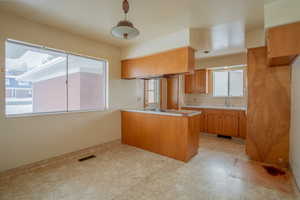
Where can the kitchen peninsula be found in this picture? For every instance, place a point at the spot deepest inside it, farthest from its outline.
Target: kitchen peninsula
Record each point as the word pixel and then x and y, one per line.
pixel 172 133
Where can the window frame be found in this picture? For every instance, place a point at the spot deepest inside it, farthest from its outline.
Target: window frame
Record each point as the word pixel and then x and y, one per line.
pixel 155 91
pixel 228 81
pixel 67 111
pixel 7 82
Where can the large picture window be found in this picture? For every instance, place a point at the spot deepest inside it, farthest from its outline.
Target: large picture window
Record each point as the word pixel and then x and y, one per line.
pixel 40 80
pixel 228 83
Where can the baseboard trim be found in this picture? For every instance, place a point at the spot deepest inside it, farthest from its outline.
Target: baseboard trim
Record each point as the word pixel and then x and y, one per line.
pixel 7 174
pixel 296 179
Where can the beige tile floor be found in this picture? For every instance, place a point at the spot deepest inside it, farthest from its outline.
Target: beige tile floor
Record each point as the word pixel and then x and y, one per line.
pixel 220 171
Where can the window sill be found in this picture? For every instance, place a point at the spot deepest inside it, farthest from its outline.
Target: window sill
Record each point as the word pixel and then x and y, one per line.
pixel 53 113
pixel 229 97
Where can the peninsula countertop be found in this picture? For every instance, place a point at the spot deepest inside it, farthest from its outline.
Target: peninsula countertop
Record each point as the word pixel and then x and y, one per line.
pixel 186 113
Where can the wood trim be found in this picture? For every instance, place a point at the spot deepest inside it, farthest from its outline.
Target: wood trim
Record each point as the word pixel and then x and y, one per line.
pixel 210 83
pixel 161 92
pixel 145 93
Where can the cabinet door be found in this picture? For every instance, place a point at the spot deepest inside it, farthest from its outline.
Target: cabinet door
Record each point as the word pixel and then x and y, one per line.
pixel 230 123
pixel 175 61
pixel 189 83
pixel 283 44
pixel 202 118
pixel 214 121
pixel 242 124
pixel 200 81
pixel 203 122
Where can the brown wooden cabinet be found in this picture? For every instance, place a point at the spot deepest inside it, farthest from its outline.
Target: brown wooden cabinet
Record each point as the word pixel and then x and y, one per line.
pixel 230 123
pixel 242 125
pixel 283 44
pixel 174 61
pixel 173 136
pixel 214 121
pixel 189 83
pixel 202 122
pixel 196 82
pixel 223 122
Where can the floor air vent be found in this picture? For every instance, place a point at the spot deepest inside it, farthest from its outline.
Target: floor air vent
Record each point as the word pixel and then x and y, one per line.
pixel 274 171
pixel 86 158
pixel 225 136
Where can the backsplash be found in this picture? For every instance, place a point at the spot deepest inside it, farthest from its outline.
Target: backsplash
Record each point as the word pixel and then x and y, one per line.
pixel 198 99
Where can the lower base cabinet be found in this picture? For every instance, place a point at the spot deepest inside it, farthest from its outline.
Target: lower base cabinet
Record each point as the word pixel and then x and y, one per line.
pixel 230 125
pixel 213 121
pixel 224 122
pixel 242 125
pixel 173 136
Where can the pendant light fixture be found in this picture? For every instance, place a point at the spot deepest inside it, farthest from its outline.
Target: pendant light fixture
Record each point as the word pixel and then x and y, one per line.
pixel 125 29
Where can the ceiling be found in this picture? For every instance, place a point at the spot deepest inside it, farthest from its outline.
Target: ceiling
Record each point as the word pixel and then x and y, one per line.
pixel 155 18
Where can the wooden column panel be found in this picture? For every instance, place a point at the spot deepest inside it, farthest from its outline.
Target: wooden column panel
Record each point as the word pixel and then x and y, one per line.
pixel 268 116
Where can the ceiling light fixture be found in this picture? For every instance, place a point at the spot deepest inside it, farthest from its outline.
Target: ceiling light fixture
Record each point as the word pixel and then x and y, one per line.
pixel 125 29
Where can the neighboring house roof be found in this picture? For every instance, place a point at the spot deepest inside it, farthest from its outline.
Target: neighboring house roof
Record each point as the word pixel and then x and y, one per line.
pixel 28 60
pixel 58 67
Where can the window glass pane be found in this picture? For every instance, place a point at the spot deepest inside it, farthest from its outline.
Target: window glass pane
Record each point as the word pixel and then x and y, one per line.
pixel 35 80
pixel 236 83
pixel 86 83
pixel 151 84
pixel 152 91
pixel 151 97
pixel 220 83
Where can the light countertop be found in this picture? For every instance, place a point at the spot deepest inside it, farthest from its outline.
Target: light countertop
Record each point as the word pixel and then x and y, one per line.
pixel 187 113
pixel 216 107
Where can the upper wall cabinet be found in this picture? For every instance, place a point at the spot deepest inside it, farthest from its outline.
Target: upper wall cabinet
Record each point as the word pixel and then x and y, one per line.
pixel 197 82
pixel 283 44
pixel 176 61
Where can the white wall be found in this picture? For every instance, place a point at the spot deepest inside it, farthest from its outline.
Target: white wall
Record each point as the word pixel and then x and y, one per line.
pixel 255 38
pixel 281 12
pixel 221 61
pixel 295 122
pixel 28 139
pixel 164 43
